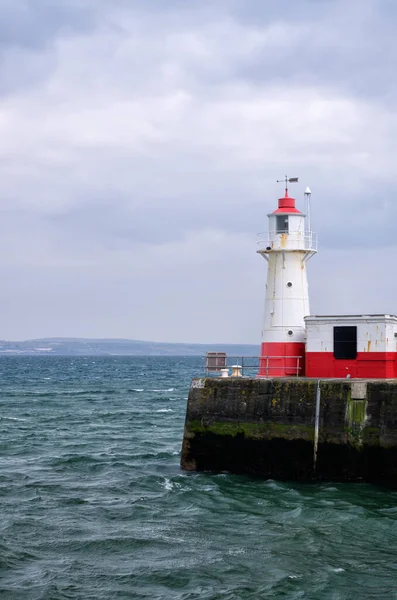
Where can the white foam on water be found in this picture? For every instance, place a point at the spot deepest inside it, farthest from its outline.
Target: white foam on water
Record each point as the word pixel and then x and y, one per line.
pixel 164 410
pixel 138 390
pixel 169 390
pixel 338 570
pixel 237 551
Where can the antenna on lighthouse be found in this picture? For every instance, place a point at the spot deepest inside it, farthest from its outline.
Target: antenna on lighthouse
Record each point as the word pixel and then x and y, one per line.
pixel 287 181
pixel 308 195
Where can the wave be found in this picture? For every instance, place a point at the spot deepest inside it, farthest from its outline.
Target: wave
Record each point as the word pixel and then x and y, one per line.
pixel 77 460
pixel 56 393
pixel 168 484
pixel 12 558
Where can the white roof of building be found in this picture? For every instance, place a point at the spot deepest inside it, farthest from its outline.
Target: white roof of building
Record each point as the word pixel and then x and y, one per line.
pixel 338 318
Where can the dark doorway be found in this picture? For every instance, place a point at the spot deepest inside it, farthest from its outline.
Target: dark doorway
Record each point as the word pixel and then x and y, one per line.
pixel 345 342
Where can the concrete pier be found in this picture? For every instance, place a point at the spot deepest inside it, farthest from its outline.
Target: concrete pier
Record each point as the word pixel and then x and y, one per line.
pixel 293 429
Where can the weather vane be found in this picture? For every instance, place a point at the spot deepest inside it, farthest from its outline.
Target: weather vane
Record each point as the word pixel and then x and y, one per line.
pixel 287 181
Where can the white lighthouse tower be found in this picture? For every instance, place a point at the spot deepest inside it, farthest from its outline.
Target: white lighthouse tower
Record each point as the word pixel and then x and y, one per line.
pixel 289 245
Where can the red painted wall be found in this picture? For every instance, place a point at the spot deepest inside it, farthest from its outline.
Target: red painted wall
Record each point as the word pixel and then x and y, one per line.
pixel 286 364
pixel 372 365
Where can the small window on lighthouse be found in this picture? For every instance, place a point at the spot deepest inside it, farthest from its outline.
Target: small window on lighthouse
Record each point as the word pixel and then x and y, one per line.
pixel 282 224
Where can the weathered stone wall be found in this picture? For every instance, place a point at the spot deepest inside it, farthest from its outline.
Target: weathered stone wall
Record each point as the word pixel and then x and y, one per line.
pixel 267 428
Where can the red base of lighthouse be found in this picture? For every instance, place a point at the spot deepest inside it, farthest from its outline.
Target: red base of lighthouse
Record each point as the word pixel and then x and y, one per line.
pixel 282 359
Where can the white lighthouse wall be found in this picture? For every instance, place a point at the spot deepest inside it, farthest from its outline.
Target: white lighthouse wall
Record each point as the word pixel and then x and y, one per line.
pixel 296 237
pixel 296 223
pixel 286 305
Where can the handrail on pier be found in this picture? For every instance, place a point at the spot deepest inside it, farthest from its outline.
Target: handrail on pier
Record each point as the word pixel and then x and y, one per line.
pixel 249 366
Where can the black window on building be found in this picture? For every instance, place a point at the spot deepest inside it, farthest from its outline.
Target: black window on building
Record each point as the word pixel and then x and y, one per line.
pixel 282 224
pixel 345 342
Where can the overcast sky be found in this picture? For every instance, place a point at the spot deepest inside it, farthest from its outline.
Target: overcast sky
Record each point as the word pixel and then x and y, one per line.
pixel 140 144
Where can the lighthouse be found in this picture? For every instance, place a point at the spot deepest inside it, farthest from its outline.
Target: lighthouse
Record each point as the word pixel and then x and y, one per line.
pixel 333 415
pixel 288 246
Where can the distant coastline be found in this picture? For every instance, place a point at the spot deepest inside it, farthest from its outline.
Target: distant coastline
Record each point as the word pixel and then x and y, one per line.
pixel 117 347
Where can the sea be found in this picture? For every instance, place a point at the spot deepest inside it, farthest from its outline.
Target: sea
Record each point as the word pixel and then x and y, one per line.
pixel 94 505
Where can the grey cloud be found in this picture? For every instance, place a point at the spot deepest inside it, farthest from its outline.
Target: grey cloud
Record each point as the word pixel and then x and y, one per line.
pixel 350 44
pixel 32 24
pixel 140 143
pixel 335 43
pixel 28 28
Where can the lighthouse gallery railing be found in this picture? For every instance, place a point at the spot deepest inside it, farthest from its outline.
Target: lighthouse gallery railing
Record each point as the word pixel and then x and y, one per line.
pixel 303 241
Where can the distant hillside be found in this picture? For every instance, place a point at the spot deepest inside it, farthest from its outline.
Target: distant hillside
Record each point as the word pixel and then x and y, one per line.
pixel 117 347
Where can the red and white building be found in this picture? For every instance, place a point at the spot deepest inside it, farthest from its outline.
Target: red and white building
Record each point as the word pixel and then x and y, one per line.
pixel 297 344
pixel 351 346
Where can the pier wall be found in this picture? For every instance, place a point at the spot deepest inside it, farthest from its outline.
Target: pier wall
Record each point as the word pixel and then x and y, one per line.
pixel 293 429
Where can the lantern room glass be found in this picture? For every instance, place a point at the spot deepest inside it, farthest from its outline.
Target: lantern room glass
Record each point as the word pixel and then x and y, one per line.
pixel 282 224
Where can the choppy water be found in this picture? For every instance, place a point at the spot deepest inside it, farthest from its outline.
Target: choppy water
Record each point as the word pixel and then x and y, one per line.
pixel 93 503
